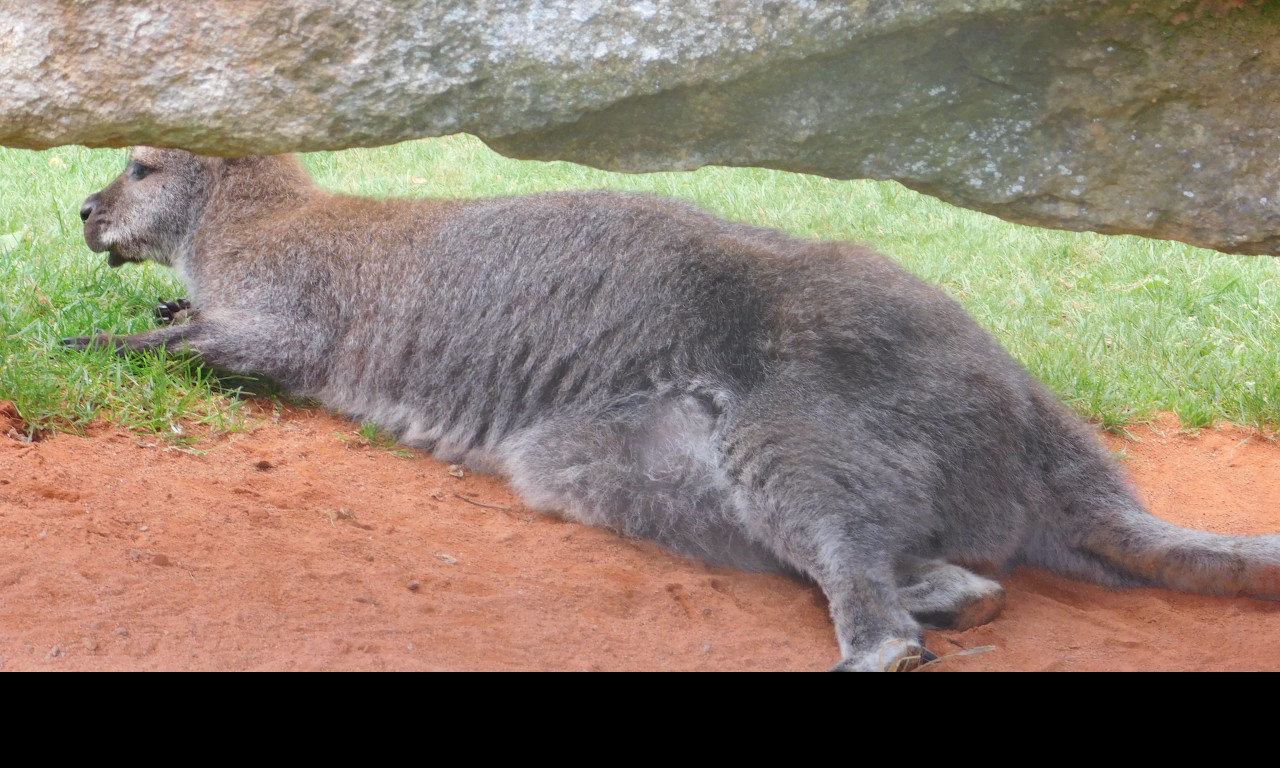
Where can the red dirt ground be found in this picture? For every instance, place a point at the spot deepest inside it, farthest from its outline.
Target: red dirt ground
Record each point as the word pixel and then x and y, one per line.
pixel 293 545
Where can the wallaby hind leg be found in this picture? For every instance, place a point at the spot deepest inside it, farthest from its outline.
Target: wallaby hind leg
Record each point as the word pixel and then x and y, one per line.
pixel 818 527
pixel 875 632
pixel 841 517
pixel 940 595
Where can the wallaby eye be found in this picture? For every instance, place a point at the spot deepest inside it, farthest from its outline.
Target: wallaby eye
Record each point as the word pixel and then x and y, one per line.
pixel 138 171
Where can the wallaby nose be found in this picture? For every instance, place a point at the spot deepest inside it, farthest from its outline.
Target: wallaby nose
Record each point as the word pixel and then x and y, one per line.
pixel 86 210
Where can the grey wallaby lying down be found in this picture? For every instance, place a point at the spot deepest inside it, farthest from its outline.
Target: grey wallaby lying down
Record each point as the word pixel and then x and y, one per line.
pixel 736 394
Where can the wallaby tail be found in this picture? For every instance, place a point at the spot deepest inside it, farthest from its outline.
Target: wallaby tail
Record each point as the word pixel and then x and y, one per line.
pixel 1097 530
pixel 1162 554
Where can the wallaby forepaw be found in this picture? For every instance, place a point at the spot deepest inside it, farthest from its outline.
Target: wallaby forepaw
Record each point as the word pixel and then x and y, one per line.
pixel 896 655
pixel 81 343
pixel 168 312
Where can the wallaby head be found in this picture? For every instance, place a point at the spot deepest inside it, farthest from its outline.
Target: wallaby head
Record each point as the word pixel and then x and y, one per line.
pixel 153 209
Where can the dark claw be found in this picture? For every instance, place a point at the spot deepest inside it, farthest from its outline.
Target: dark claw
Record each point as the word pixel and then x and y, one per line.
pixel 928 656
pixel 170 311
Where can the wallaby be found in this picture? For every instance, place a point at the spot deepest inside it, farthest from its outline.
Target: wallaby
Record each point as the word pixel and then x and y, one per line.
pixel 734 393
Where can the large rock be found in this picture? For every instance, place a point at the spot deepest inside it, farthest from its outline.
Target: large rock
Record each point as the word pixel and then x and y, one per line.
pixel 1157 117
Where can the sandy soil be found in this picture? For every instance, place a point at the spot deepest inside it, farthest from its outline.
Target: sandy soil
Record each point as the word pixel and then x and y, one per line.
pixel 296 546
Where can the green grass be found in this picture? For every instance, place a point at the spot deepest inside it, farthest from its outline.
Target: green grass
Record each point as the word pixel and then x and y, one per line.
pixel 1121 327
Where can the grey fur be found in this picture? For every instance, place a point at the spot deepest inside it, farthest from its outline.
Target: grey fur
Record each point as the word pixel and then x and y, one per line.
pixel 731 392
